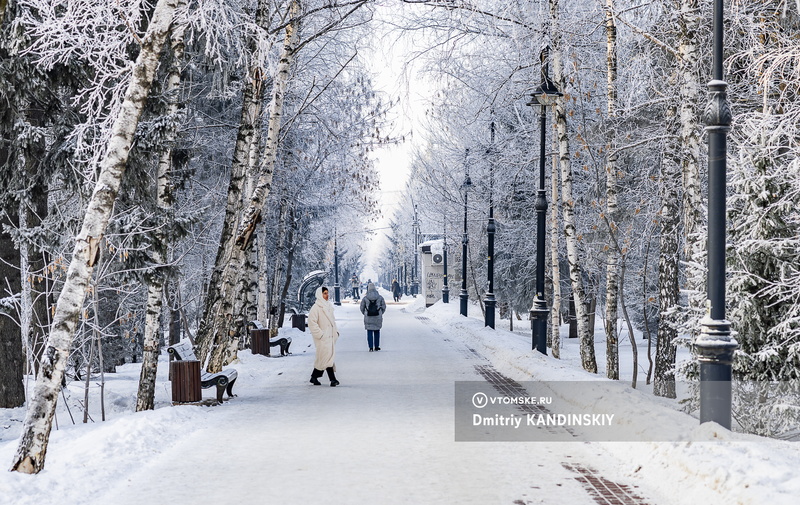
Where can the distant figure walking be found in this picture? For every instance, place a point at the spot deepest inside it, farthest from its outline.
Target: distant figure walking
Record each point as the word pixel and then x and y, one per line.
pixel 373 306
pixel 355 285
pixel 323 328
pixel 396 290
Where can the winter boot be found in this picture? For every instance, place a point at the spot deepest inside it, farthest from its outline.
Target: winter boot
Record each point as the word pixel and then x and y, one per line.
pixel 316 374
pixel 331 376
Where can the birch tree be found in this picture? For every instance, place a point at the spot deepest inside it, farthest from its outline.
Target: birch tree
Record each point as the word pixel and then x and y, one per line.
pixel 612 269
pixel 588 360
pixel 32 449
pixel 221 326
pixel 155 289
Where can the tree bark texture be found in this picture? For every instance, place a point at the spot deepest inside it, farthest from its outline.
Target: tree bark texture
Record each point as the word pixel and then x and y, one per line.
pixel 145 397
pixel 568 203
pixel 555 310
pixel 688 147
pixel 32 449
pixel 246 141
pixel 243 155
pixel 279 272
pixel 612 258
pixel 12 390
pixel 688 156
pixel 669 218
pixel 222 324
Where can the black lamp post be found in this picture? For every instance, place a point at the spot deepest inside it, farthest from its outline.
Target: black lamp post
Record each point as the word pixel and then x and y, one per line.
pixel 544 96
pixel 415 271
pixel 336 287
pixel 490 301
pixel 464 296
pixel 714 345
pixel 405 278
pixel 445 287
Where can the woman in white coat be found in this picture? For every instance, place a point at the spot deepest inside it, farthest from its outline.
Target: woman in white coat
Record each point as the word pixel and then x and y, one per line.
pixel 323 328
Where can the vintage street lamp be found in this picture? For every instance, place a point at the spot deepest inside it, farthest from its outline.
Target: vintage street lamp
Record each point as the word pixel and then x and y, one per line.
pixel 715 346
pixel 490 301
pixel 415 271
pixel 465 187
pixel 544 96
pixel 445 287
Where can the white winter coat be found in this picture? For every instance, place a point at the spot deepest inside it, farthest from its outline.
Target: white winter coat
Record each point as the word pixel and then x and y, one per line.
pixel 323 328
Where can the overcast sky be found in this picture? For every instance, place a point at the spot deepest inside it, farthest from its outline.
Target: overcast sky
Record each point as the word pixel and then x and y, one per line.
pixel 397 78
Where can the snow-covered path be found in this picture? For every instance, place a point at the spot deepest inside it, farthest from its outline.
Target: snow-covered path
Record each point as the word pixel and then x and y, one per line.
pixel 385 435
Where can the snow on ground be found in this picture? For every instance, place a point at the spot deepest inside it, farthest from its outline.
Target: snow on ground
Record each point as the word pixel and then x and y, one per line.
pixel 386 435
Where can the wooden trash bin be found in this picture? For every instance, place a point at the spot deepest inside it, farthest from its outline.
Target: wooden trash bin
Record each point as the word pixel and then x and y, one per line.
pixel 299 321
pixel 185 378
pixel 259 342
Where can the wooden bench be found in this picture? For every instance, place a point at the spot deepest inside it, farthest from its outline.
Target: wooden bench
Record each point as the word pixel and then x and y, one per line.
pixel 223 380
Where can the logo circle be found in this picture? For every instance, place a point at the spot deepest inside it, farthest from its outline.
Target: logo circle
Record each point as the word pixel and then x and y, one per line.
pixel 479 400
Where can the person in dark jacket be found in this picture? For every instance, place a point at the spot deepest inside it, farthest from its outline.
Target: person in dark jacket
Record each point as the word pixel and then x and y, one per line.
pixel 373 306
pixel 396 290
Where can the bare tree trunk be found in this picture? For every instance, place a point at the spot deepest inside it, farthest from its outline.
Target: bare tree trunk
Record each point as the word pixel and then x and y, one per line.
pixel 664 380
pixel 688 147
pixel 688 156
pixel 246 138
pixel 32 448
pixel 279 271
pixel 612 267
pixel 12 392
pixel 261 302
pixel 145 397
pixel 222 324
pixel 555 310
pixel 568 204
pixel 289 262
pixel 634 347
pixel 88 373
pixel 644 312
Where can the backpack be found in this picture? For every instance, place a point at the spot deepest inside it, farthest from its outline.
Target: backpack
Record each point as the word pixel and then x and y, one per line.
pixel 372 308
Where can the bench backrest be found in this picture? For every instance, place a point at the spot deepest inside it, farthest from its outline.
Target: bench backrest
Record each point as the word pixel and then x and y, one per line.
pixel 183 350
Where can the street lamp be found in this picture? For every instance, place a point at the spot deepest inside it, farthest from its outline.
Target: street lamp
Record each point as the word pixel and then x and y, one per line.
pixel 464 296
pixel 545 95
pixel 490 301
pixel 714 345
pixel 415 271
pixel 336 287
pixel 445 287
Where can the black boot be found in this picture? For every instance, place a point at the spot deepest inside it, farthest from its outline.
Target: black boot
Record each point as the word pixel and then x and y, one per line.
pixel 316 374
pixel 331 376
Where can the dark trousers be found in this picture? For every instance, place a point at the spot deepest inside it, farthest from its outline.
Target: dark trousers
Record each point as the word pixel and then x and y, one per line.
pixel 355 293
pixel 374 336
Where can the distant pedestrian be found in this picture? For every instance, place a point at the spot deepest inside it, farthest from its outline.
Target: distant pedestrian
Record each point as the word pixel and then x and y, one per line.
pixel 396 290
pixel 322 324
pixel 373 306
pixel 355 285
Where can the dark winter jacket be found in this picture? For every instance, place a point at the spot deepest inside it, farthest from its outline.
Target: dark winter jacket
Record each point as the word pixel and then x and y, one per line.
pixel 373 322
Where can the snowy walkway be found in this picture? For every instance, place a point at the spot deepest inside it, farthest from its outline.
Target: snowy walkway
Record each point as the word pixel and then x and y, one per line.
pixel 384 436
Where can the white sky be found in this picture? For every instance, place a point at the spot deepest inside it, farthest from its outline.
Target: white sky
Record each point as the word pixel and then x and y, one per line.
pixel 397 79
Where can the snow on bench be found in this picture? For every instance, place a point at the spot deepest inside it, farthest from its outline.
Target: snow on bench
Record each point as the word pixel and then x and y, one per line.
pixel 184 351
